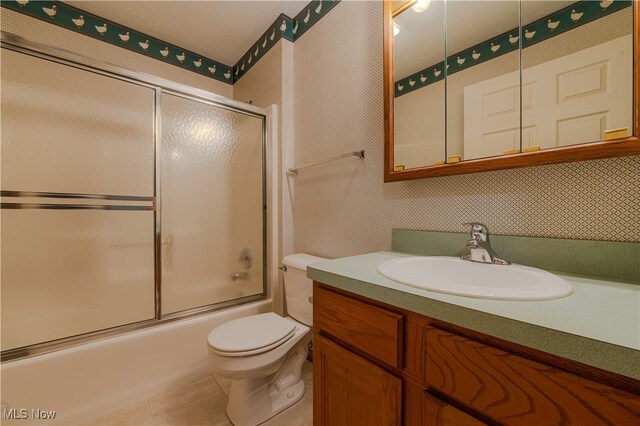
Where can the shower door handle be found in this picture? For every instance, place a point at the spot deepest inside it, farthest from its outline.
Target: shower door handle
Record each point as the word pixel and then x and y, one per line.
pixel 243 276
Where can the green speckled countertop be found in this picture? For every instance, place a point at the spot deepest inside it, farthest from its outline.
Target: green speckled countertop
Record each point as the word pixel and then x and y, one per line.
pixel 598 325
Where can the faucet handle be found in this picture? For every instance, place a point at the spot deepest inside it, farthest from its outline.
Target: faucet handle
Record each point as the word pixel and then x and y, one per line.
pixel 479 232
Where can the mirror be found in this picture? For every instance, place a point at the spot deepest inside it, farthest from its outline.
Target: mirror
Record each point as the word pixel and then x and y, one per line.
pixel 419 95
pixel 484 85
pixel 482 120
pixel 577 71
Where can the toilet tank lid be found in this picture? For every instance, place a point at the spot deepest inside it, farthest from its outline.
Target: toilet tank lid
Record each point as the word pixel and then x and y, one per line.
pixel 300 260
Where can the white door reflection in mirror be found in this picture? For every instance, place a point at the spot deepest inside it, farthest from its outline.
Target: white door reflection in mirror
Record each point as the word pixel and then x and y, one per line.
pixel 579 80
pixel 492 116
pixel 483 44
pixel 566 101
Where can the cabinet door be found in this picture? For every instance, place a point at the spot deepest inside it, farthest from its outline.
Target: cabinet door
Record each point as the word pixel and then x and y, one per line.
pixel 421 408
pixel 348 390
pixel 514 390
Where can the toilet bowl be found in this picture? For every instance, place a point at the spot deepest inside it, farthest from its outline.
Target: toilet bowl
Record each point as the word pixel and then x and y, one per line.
pixel 263 354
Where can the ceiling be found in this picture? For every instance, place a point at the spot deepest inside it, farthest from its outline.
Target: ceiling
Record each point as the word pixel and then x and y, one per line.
pixel 219 30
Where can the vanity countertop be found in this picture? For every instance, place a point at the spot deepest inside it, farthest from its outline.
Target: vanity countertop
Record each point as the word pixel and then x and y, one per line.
pixel 598 325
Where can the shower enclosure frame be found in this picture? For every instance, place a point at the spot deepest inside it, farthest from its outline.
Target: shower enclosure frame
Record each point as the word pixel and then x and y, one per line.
pixel 159 86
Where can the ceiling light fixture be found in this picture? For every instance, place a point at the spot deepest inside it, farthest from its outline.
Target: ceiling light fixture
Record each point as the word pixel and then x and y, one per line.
pixel 421 5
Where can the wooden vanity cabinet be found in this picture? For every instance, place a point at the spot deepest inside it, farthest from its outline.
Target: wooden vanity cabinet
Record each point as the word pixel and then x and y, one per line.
pixel 376 364
pixel 352 390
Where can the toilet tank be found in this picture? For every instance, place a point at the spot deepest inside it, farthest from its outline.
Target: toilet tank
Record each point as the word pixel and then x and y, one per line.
pixel 298 289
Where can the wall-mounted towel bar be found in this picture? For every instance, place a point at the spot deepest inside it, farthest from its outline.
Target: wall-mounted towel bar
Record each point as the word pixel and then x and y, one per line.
pixel 360 154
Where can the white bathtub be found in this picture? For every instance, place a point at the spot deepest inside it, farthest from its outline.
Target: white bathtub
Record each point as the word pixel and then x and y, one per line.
pixel 90 380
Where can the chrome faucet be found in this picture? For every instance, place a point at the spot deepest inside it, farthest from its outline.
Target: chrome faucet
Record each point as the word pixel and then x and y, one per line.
pixel 479 248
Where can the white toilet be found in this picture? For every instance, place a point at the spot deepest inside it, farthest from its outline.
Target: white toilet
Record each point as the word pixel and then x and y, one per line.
pixel 263 354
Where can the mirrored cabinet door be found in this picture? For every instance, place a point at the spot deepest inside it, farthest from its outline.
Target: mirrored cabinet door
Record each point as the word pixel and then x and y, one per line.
pixel 577 70
pixel 483 79
pixel 479 85
pixel 419 85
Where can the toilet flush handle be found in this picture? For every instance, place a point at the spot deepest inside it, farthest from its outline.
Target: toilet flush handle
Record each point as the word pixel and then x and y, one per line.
pixel 284 269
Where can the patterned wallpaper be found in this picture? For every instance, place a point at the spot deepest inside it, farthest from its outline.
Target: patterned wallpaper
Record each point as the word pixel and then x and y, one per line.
pixel 344 208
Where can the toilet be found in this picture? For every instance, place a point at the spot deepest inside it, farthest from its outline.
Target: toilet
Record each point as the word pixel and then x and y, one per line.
pixel 263 354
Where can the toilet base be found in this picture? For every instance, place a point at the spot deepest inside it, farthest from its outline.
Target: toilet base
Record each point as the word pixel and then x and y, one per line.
pixel 254 401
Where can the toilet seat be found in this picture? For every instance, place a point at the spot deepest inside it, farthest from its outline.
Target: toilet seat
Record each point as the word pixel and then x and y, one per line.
pixel 251 335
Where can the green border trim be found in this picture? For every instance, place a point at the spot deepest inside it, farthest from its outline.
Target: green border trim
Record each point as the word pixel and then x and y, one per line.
pixel 74 19
pixel 77 20
pixel 283 27
pixel 566 19
pixel 310 15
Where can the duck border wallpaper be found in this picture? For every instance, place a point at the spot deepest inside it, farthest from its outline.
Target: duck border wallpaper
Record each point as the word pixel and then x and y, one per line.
pixel 72 18
pixel 559 22
pixel 284 27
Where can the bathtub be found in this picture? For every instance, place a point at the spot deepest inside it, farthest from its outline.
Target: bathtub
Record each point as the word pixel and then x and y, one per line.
pixel 87 381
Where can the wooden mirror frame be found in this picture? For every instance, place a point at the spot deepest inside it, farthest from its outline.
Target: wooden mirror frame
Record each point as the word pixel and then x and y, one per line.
pixel 588 151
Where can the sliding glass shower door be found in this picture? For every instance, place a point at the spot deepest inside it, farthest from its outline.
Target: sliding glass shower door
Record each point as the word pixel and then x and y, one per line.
pixel 212 211
pixel 77 201
pixel 124 204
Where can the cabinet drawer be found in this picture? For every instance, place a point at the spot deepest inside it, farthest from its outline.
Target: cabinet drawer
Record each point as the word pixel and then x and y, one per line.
pixel 510 389
pixel 373 331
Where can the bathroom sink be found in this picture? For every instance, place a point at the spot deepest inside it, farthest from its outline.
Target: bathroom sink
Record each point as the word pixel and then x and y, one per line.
pixel 482 280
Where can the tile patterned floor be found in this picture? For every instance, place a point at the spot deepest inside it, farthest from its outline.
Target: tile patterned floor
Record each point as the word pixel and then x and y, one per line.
pixel 203 402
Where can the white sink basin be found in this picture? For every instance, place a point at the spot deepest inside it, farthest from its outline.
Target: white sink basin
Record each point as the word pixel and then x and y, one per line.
pixel 463 278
